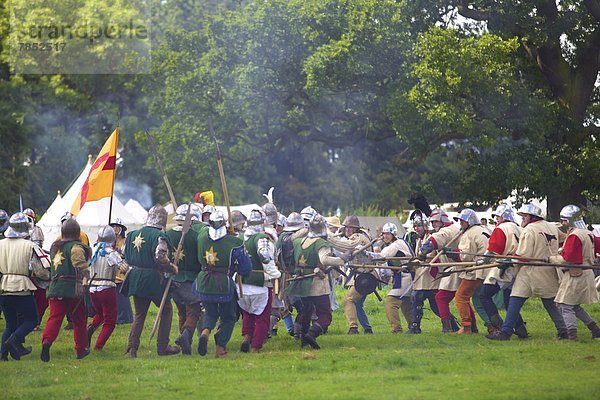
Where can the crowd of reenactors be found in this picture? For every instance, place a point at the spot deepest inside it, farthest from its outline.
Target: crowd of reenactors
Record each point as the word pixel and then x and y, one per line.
pixel 265 269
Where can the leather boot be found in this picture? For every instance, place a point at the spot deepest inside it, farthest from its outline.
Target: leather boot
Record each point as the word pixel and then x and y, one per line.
pixel 90 332
pixel 311 337
pixel 24 350
pixel 131 352
pixel 415 328
pixel 593 327
pixel 297 331
pixel 84 353
pixel 496 321
pixel 185 342
pixel 498 335
pixel 12 345
pixel 521 331
pixel 45 354
pixel 169 350
pixel 221 352
pixel 352 331
pixel 447 326
pixel 572 334
pixel 203 342
pixel 562 334
pixel 245 347
pixel 464 330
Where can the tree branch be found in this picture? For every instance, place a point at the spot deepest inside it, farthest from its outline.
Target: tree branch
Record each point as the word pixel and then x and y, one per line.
pixel 593 7
pixel 471 13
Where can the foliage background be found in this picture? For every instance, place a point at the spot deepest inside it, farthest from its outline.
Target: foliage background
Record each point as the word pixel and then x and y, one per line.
pixel 349 104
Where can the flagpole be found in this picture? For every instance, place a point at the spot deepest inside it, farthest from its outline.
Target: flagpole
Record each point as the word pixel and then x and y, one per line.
pixel 112 190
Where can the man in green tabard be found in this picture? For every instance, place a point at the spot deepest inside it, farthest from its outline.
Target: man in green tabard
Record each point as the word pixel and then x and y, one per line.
pixel 147 252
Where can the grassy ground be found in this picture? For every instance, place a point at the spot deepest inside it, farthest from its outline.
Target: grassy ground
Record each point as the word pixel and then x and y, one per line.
pixel 379 366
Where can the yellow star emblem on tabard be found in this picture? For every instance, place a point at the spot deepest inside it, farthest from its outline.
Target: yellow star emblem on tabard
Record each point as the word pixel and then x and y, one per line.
pixel 179 255
pixel 211 256
pixel 58 259
pixel 302 261
pixel 138 242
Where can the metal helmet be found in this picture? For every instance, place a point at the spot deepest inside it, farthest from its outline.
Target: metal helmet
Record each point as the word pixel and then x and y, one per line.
pixel 439 215
pixel 281 219
pixel 574 215
pixel 317 227
pixel 270 213
pixel 294 222
pixel 37 236
pixel 3 220
pixel 256 217
pixel 106 234
pixel 505 211
pixel 308 213
pixel 217 219
pixel 351 221
pixel 216 225
pixel 157 217
pixel 390 227
pixel 334 222
pixel 208 209
pixel 29 213
pixel 118 222
pixel 469 216
pixel 182 211
pixel 239 219
pixel 418 218
pixel 67 215
pixel 530 209
pixel 70 229
pixel 18 226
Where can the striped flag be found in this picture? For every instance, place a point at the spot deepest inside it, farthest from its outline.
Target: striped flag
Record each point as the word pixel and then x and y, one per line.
pixel 100 181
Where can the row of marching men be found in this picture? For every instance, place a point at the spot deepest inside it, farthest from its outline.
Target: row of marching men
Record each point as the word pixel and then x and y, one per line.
pixel 467 263
pixel 194 264
pixel 258 249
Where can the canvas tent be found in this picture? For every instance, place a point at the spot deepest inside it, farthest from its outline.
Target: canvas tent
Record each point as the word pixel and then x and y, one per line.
pixel 92 216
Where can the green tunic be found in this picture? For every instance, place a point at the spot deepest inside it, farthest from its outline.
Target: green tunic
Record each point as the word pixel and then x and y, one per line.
pixel 215 257
pixel 63 273
pixel 189 266
pixel 251 245
pixel 306 261
pixel 146 279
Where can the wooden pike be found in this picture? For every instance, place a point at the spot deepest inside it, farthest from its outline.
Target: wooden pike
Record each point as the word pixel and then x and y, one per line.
pixel 439 254
pixel 225 195
pixel 498 256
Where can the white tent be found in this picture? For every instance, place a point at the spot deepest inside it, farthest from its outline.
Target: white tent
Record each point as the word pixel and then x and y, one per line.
pixel 136 210
pixel 91 218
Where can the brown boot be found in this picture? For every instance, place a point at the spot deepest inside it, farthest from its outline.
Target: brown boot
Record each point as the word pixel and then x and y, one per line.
pixel 593 327
pixel 572 334
pixel 245 347
pixel 464 330
pixel 221 352
pixel 169 350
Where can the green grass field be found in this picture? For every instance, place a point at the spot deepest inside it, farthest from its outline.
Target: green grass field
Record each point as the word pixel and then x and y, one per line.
pixel 380 366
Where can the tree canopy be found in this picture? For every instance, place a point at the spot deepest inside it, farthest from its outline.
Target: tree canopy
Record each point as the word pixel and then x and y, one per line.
pixel 335 103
